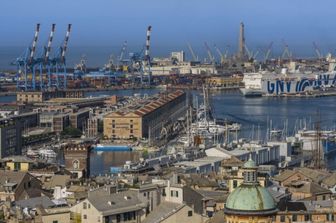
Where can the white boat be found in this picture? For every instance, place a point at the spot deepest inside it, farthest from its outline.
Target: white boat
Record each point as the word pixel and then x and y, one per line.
pixel 32 153
pixel 47 153
pixel 234 127
pixel 286 82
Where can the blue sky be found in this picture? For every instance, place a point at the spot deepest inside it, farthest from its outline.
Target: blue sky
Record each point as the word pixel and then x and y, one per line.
pixel 110 22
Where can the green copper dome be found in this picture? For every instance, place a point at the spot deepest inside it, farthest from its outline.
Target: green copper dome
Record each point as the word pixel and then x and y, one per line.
pixel 250 198
pixel 250 164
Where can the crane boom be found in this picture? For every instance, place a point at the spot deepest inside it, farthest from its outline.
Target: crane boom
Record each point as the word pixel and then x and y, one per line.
pixel 65 43
pixel 122 53
pixel 192 52
pixel 286 51
pixel 219 52
pixel 268 52
pixel 51 36
pixel 148 34
pixel 249 53
pixel 211 57
pixel 33 49
pixel 317 51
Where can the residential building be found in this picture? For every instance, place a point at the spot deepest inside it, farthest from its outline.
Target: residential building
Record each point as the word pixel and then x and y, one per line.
pixel 107 206
pixel 41 96
pixel 55 121
pixel 306 211
pixel 78 119
pixel 18 163
pixel 17 185
pixel 301 174
pixel 10 138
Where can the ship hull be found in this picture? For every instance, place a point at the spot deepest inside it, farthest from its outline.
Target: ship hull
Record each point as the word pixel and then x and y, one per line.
pixel 276 85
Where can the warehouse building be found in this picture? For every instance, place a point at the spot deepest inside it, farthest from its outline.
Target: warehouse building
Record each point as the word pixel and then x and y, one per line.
pixel 148 118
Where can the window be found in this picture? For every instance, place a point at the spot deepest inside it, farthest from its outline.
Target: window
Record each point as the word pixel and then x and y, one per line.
pixel 330 217
pixel 131 131
pixel 89 205
pixel 235 183
pixel 190 213
pixel 75 164
pixel 176 193
pixel 118 218
pixel 17 166
pixel 282 218
pixel 172 193
pixel 113 126
pixel 84 205
pixel 55 221
pixel 84 216
pixel 145 194
pixel 294 218
pixel 163 192
pixel 307 217
pixel 131 126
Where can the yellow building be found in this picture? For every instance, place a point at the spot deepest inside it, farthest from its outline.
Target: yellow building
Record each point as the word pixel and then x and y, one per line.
pixel 18 163
pixel 148 118
pixel 41 96
pixel 250 202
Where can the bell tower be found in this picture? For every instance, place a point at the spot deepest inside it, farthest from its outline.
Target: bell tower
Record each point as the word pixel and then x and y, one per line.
pixel 77 160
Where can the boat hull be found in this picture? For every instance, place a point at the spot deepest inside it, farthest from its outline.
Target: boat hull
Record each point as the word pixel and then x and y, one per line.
pixel 112 148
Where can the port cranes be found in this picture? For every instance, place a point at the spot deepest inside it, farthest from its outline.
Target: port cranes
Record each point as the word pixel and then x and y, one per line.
pixel 140 62
pixel 219 53
pixel 211 57
pixel 317 51
pixel 194 57
pixel 29 64
pixel 268 51
pixel 286 54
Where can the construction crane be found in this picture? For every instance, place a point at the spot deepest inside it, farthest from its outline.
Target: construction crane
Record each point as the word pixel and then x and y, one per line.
pixel 219 53
pixel 195 58
pixel 30 63
pixel 317 51
pixel 122 53
pixel 140 61
pixel 226 53
pixel 47 62
pixel 43 61
pixel 26 63
pixel 211 57
pixel 250 54
pixel 59 61
pixel 286 53
pixel 268 51
pixel 146 67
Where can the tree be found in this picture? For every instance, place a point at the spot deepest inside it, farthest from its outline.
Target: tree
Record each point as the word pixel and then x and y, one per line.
pixel 71 132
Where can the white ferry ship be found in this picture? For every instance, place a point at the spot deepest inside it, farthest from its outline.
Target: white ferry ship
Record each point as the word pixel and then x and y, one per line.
pixel 274 84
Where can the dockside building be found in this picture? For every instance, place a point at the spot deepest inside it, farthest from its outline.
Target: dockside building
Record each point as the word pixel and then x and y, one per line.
pixel 150 119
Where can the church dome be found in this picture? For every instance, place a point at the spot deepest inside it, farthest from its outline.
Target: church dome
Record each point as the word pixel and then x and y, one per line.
pixel 250 198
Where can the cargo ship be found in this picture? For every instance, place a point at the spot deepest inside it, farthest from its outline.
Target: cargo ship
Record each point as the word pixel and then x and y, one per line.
pixel 265 83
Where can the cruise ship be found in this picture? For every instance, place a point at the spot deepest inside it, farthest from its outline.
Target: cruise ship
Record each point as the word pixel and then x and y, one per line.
pixel 265 83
